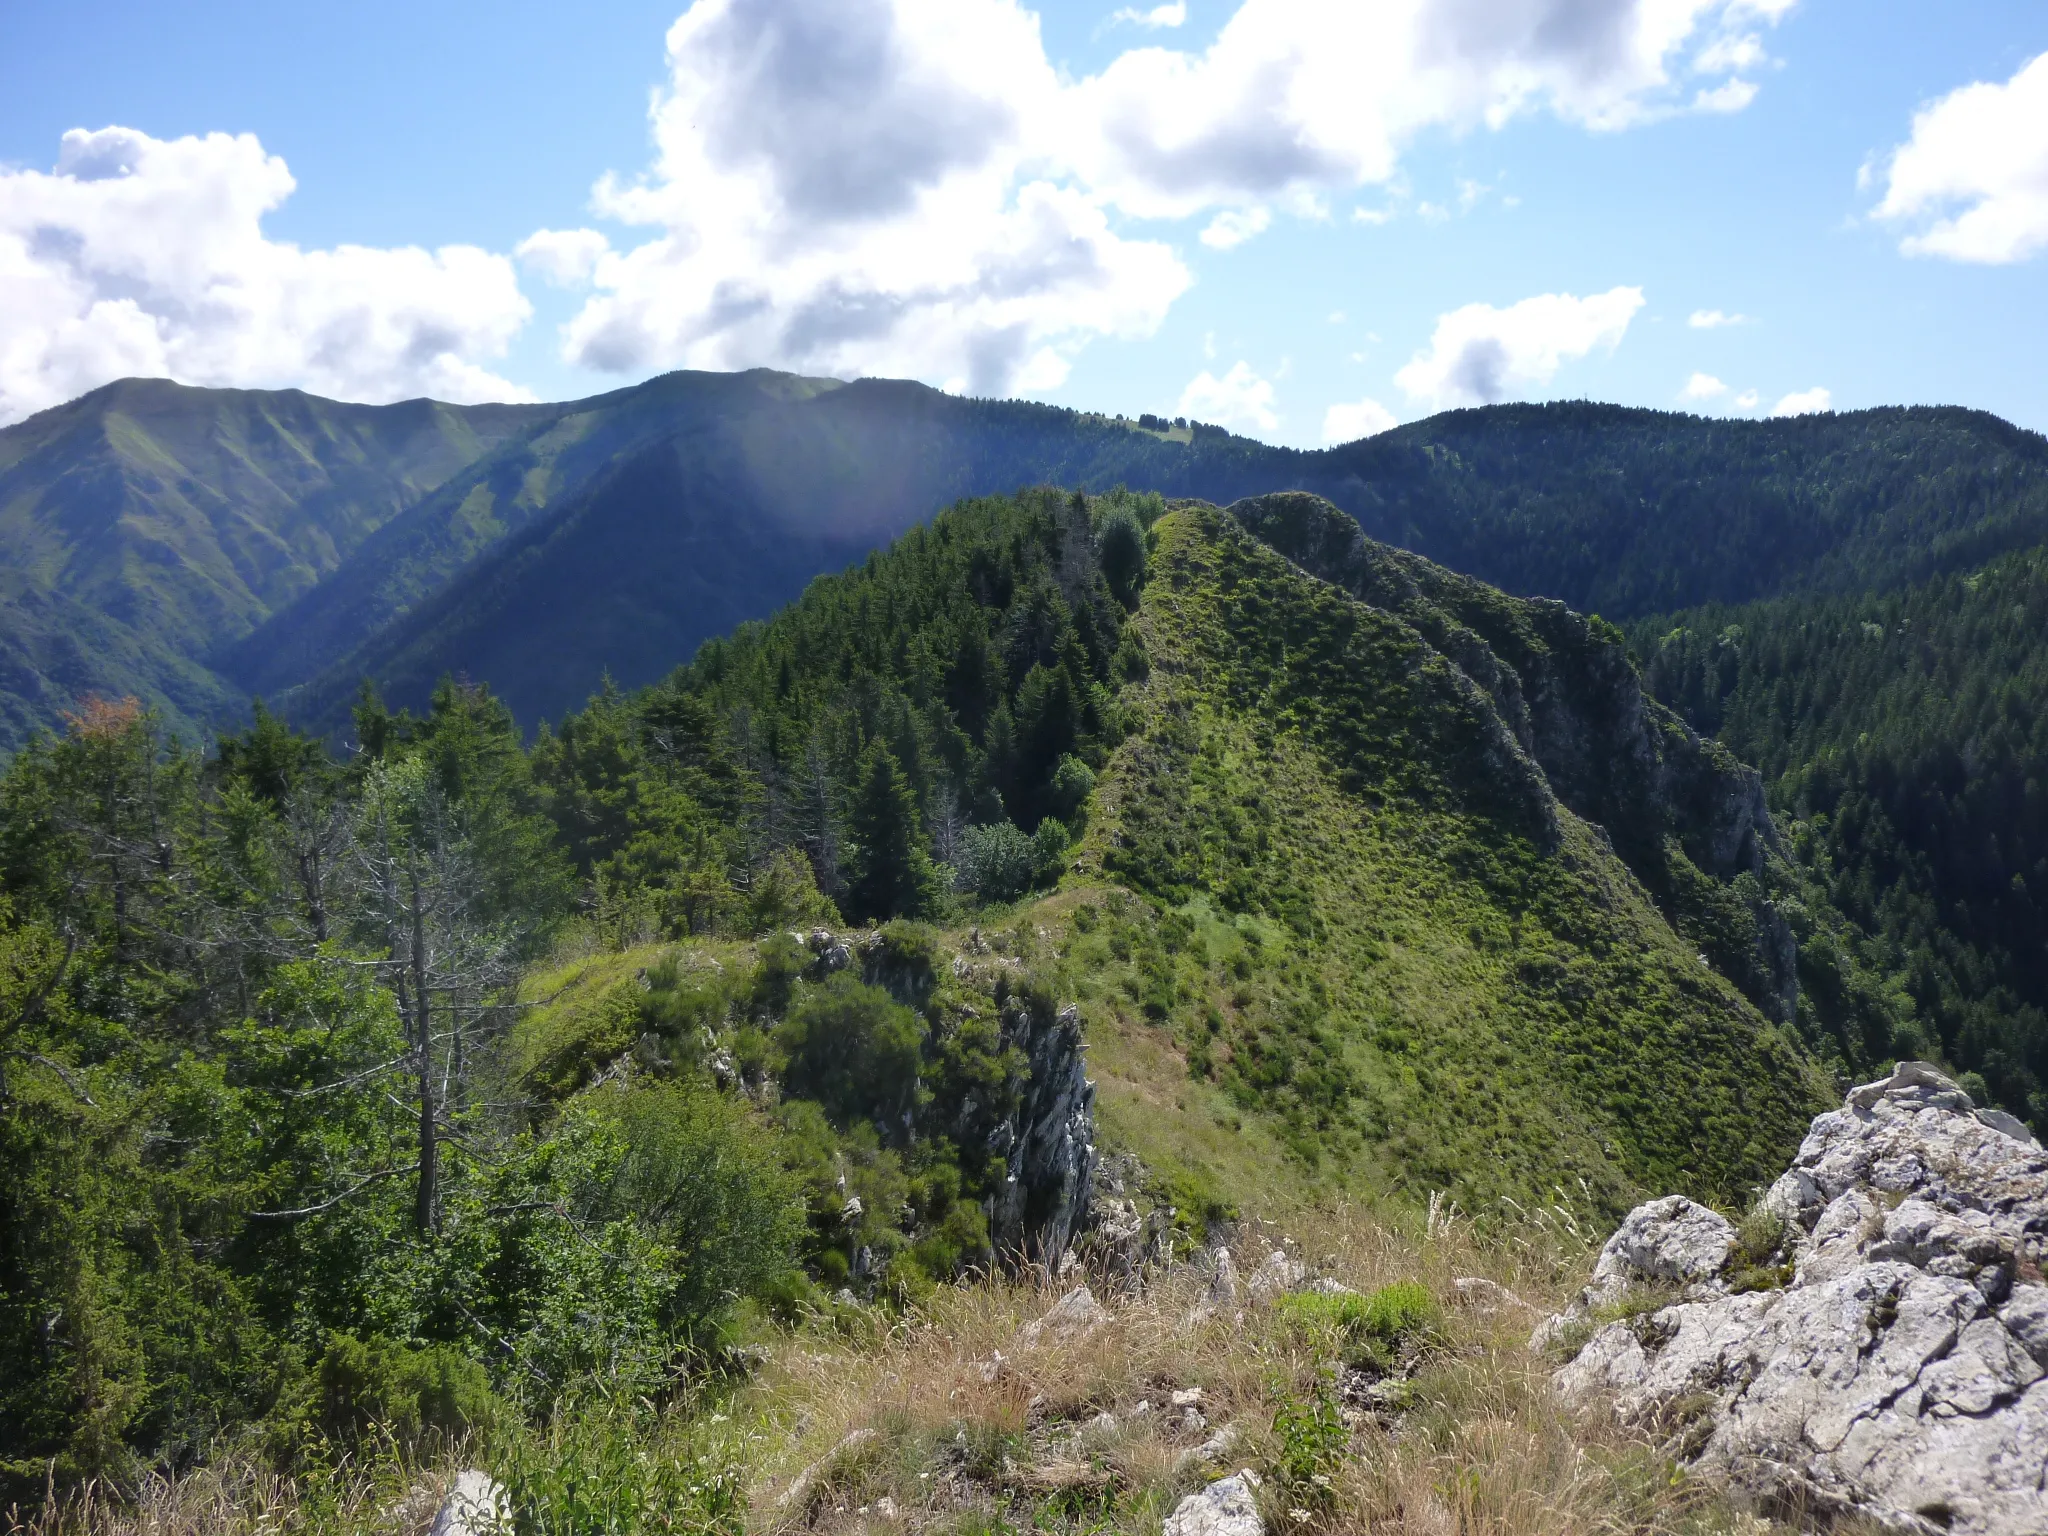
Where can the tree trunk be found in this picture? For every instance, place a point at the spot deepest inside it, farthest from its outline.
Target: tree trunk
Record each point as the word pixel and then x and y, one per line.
pixel 427 1208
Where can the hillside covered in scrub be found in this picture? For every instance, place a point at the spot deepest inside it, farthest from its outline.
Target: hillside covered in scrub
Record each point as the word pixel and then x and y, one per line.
pixel 1081 876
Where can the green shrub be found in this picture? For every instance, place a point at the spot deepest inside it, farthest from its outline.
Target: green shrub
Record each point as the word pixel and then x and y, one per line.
pixel 1049 850
pixel 854 1049
pixel 1073 781
pixel 1313 1440
pixel 375 1388
pixel 786 895
pixel 1369 1331
pixel 611 1472
pixel 705 1181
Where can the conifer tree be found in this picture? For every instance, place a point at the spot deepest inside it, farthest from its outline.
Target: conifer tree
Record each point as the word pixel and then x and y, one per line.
pixel 892 873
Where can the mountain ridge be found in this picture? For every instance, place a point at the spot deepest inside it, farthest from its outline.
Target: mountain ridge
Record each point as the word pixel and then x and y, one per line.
pixel 412 564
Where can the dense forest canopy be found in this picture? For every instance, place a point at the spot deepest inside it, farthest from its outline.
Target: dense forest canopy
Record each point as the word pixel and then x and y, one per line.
pixel 1904 735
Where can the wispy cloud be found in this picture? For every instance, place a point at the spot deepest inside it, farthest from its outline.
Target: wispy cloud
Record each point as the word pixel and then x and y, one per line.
pixel 1172 15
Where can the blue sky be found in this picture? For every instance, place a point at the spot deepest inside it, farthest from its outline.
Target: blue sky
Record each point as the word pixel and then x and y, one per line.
pixel 1013 200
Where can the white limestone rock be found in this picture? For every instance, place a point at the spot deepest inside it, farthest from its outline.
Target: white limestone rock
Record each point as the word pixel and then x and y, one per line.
pixel 1275 1277
pixel 1903 1373
pixel 476 1506
pixel 1224 1508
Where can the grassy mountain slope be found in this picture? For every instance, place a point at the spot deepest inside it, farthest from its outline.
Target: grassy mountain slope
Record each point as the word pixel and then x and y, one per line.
pixel 145 524
pixel 1905 732
pixel 1460 986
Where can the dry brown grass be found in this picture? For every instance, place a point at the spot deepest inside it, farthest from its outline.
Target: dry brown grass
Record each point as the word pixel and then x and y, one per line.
pixel 922 1429
pixel 242 1495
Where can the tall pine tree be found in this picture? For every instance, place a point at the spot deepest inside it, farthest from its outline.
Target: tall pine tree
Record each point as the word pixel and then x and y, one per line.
pixel 892 873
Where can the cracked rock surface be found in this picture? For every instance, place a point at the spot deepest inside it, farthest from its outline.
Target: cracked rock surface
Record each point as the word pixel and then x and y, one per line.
pixel 1901 1372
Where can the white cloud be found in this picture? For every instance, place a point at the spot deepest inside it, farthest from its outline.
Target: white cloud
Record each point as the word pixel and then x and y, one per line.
pixel 1804 403
pixel 1480 354
pixel 1234 226
pixel 1171 15
pixel 909 186
pixel 1974 175
pixel 1240 400
pixel 1729 96
pixel 1702 386
pixel 147 256
pixel 1307 94
pixel 859 186
pixel 1346 422
pixel 1714 319
pixel 1748 400
pixel 565 257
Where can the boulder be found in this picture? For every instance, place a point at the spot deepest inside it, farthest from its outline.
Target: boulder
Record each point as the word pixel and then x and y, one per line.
pixel 1900 1374
pixel 476 1506
pixel 1224 1508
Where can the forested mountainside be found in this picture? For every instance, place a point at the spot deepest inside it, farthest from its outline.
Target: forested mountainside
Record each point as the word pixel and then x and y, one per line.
pixel 1613 511
pixel 1902 735
pixel 447 1084
pixel 145 524
pixel 197 547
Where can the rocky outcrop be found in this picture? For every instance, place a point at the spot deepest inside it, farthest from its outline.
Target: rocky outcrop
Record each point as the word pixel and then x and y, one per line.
pixel 1873 1340
pixel 1048 1143
pixel 1573 701
pixel 1044 1126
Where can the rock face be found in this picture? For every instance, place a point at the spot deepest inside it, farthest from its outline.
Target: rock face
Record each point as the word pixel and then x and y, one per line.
pixel 1224 1508
pixel 1049 1142
pixel 1045 1129
pixel 1900 1373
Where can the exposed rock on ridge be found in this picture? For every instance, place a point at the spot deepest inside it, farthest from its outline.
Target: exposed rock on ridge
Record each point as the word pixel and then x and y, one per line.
pixel 1047 1139
pixel 1902 1373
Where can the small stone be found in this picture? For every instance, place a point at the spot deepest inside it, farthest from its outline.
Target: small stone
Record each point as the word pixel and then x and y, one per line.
pixel 1213 1451
pixel 1188 1397
pixel 1278 1275
pixel 1224 1508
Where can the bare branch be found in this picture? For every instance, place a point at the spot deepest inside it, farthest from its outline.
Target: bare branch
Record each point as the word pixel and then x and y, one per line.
pixel 328 1205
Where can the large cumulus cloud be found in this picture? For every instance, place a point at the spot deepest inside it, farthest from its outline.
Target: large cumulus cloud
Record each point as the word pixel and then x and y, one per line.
pixel 908 186
pixel 1972 181
pixel 137 255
